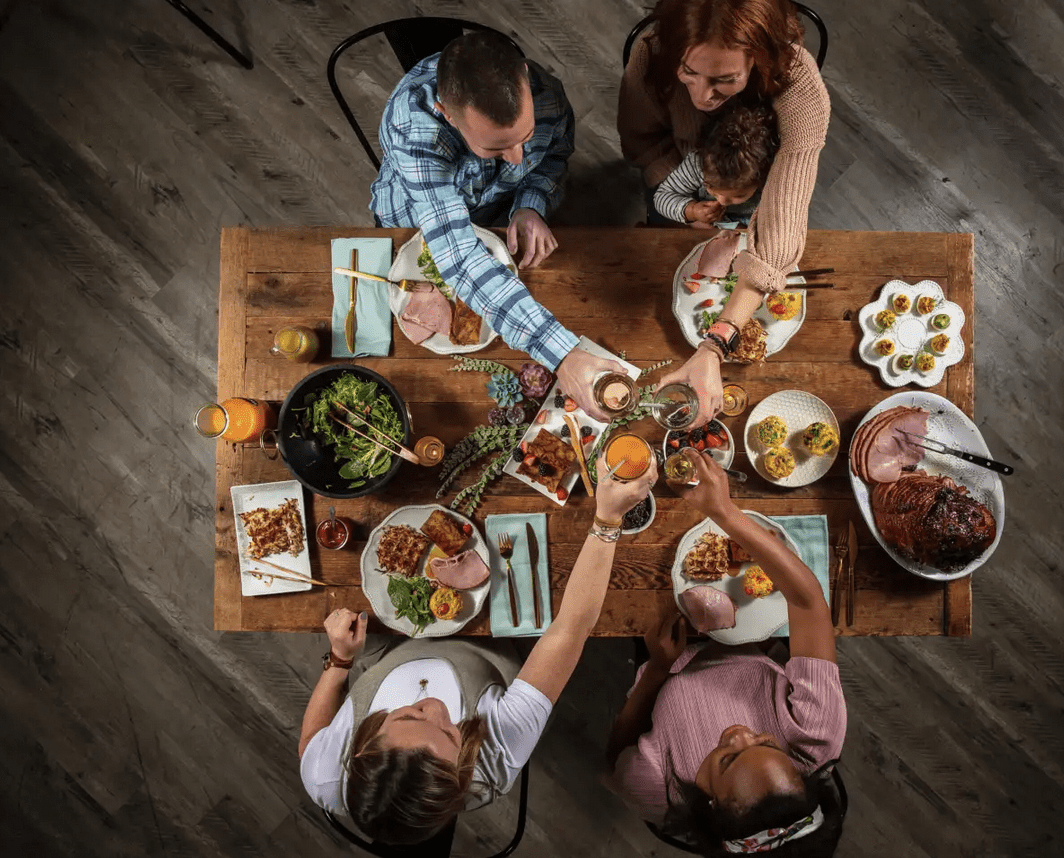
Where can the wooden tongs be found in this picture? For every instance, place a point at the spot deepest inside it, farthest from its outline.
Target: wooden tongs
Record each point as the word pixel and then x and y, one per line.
pixel 400 451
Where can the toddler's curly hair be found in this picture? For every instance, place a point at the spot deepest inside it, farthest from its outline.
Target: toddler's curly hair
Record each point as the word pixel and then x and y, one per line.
pixel 738 149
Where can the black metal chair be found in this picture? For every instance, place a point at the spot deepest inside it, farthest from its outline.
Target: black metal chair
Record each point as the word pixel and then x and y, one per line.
pixel 818 22
pixel 214 35
pixel 439 846
pixel 411 39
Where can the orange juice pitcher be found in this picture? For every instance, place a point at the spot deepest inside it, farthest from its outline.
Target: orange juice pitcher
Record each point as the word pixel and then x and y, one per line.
pixel 238 420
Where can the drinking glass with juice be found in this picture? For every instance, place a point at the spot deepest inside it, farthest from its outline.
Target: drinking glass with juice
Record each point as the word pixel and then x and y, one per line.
pixel 633 451
pixel 297 343
pixel 237 419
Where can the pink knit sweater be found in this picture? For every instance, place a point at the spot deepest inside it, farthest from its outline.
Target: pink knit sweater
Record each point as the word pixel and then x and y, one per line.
pixel 801 706
pixel 656 137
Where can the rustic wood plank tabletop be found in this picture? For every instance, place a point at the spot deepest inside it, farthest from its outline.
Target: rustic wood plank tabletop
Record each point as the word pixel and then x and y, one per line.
pixel 615 286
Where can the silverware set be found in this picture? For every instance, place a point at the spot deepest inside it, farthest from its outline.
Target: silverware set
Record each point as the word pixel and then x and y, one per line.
pixel 506 549
pixel 845 550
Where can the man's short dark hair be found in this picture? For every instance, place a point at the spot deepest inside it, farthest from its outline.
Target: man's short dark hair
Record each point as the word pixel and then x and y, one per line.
pixel 485 71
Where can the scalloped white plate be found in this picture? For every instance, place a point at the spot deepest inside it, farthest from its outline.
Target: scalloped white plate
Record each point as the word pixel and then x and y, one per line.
pixel 405 265
pixel 911 333
pixel 755 619
pixel 797 409
pixel 951 426
pixel 685 305
pixel 375 582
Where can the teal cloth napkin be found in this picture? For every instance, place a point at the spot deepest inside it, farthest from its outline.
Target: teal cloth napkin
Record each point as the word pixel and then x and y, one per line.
pixel 810 534
pixel 501 622
pixel 373 318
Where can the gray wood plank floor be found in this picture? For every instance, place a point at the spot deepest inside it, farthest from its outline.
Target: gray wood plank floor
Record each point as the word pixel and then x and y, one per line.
pixel 127 140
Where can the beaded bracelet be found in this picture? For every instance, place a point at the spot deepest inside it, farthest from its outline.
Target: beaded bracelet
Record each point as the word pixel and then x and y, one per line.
pixel 606 534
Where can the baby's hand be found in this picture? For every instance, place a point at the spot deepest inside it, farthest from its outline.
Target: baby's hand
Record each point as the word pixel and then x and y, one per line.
pixel 706 211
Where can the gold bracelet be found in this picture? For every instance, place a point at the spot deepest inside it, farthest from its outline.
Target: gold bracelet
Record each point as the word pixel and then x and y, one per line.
pixel 713 347
pixel 601 522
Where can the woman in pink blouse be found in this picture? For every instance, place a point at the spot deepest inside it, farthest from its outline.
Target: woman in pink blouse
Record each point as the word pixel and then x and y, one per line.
pixel 696 56
pixel 722 745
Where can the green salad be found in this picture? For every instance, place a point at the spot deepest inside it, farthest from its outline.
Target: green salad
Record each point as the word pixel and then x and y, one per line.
pixel 431 272
pixel 410 596
pixel 359 459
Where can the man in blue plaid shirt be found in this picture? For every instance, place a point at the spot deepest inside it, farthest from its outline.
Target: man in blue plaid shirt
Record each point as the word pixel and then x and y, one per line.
pixel 477 134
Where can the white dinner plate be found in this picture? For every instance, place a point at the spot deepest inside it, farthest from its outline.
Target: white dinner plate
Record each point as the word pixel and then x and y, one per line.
pixel 911 333
pixel 755 619
pixel 270 496
pixel 685 304
pixel 375 582
pixel 405 266
pixel 951 426
pixel 797 409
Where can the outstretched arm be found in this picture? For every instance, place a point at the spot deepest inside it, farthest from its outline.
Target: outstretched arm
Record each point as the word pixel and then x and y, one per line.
pixel 347 637
pixel 554 657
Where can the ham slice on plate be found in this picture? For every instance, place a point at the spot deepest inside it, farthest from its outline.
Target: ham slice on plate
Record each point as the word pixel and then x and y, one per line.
pixel 427 312
pixel 717 255
pixel 464 571
pixel 708 608
pixel 891 452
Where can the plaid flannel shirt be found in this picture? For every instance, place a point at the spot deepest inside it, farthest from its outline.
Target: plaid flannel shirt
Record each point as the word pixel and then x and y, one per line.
pixel 430 179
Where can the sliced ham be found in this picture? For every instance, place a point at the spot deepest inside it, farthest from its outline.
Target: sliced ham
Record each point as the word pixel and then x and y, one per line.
pixel 427 312
pixel 464 571
pixel 717 255
pixel 708 608
pixel 892 452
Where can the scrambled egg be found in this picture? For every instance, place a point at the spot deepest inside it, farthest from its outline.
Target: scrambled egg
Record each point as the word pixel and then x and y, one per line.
pixel 779 462
pixel 819 438
pixel 772 431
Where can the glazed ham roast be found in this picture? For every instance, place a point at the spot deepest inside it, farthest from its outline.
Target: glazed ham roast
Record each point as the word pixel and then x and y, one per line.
pixel 932 520
pixel 880 453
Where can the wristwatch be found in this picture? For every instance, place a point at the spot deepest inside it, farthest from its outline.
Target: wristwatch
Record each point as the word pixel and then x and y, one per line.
pixel 725 335
pixel 330 659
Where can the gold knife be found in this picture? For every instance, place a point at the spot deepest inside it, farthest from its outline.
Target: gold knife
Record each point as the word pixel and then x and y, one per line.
pixel 349 324
pixel 533 561
pixel 850 587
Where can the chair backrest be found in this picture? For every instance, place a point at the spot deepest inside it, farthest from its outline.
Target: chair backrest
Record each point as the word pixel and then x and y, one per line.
pixel 818 22
pixel 411 40
pixel 439 846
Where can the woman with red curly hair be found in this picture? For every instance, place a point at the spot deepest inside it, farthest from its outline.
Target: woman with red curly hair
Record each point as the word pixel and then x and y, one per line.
pixel 694 58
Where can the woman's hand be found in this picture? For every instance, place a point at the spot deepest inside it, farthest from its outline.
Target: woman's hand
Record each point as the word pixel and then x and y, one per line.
pixel 702 372
pixel 614 498
pixel 666 641
pixel 347 633
pixel 711 495
pixel 576 375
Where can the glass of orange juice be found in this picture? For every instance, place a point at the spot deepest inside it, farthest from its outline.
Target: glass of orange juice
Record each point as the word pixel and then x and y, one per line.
pixel 237 419
pixel 297 343
pixel 635 453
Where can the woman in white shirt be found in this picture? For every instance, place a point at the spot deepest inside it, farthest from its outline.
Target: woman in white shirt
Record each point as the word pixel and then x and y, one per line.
pixel 440 726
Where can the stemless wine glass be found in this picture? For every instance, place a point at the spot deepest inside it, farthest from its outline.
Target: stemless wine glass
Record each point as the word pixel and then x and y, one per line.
pixel 676 406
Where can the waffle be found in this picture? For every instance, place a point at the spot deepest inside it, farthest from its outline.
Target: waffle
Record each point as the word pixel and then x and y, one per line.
pixel 274 531
pixel 752 340
pixel 400 550
pixel 465 325
pixel 708 560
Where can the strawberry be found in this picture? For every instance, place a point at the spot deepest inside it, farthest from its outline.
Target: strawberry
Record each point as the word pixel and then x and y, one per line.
pixel 587 439
pixel 570 404
pixel 674 443
pixel 530 460
pixel 524 446
pixel 541 417
pixel 712 441
pixel 707 303
pixel 562 493
pixel 698 276
pixel 699 445
pixel 467 529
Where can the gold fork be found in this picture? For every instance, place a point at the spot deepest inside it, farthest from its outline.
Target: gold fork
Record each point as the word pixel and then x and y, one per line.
pixel 506 549
pixel 841 550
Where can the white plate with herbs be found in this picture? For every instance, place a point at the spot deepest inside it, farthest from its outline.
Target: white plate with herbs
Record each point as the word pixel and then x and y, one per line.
pixel 406 267
pixel 696 311
pixel 912 319
pixel 375 580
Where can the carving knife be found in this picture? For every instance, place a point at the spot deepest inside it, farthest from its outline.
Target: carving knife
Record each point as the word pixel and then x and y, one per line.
pixel 349 324
pixel 533 560
pixel 851 558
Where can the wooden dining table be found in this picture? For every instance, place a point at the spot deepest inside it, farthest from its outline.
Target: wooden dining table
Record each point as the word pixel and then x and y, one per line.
pixel 614 285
